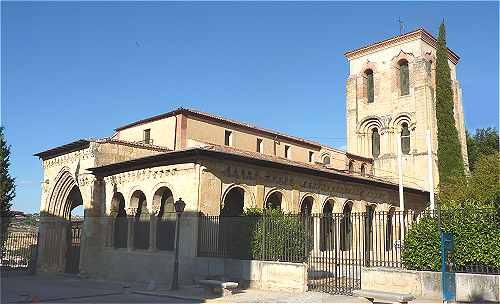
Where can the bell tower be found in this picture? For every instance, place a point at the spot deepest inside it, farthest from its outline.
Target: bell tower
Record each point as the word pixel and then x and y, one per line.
pixel 390 95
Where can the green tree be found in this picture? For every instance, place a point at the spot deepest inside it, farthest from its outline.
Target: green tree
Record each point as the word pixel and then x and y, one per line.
pixel 480 189
pixel 450 162
pixel 7 188
pixel 483 142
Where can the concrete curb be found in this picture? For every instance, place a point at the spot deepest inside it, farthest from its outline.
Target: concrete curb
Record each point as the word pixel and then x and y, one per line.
pixel 175 296
pixel 30 298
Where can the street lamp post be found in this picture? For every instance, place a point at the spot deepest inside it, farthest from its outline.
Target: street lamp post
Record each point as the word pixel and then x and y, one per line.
pixel 179 208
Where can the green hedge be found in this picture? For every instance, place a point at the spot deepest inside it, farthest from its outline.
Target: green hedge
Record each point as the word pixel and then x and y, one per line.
pixel 476 234
pixel 279 237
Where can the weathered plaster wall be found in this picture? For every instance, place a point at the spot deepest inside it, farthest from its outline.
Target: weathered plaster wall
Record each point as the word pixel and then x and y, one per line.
pixel 265 275
pixel 427 284
pixel 162 132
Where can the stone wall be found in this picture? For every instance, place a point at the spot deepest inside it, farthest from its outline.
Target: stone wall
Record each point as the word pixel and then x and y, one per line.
pixel 267 275
pixel 427 284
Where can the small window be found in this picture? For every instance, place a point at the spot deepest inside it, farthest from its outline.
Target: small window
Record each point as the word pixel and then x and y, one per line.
pixel 146 136
pixel 369 86
pixel 351 166
pixel 375 143
pixel 326 160
pixel 404 77
pixel 405 139
pixel 275 148
pixel 311 156
pixel 363 169
pixel 260 145
pixel 228 138
pixel 287 151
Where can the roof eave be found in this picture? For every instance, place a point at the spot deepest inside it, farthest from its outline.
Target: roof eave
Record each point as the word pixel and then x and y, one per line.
pixel 193 154
pixel 60 150
pixel 419 33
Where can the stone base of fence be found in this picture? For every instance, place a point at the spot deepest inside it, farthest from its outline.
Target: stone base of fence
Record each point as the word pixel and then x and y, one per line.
pixel 427 284
pixel 266 275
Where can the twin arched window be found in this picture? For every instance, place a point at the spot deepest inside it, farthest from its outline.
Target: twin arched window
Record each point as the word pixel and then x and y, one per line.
pixel 404 77
pixel 375 143
pixel 405 139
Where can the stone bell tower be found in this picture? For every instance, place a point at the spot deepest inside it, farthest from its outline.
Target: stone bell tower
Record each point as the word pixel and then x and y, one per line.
pixel 390 92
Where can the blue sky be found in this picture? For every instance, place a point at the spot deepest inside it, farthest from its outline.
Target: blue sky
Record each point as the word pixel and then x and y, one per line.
pixel 78 70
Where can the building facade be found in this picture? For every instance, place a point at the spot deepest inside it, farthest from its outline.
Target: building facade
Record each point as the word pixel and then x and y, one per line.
pixel 129 182
pixel 391 94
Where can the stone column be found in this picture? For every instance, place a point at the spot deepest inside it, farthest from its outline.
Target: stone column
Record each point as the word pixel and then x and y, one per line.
pixel 131 212
pixel 153 229
pixel 317 232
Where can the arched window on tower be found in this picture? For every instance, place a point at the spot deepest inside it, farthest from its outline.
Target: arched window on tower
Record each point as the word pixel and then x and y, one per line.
pixel 404 77
pixel 326 160
pixel 405 139
pixel 375 143
pixel 369 86
pixel 363 169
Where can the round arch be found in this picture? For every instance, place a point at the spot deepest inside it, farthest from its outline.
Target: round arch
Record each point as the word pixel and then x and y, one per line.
pixel 159 185
pixel 249 199
pixel 329 201
pixel 275 197
pixel 368 124
pixel 307 204
pixel 65 188
pixel 233 201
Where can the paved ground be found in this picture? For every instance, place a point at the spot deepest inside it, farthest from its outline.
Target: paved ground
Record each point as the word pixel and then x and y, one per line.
pixel 20 288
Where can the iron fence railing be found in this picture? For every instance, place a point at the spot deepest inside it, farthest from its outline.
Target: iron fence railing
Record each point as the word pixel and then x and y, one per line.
pixel 337 242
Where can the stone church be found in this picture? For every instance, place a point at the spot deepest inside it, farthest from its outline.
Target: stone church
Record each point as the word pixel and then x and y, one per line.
pixel 220 166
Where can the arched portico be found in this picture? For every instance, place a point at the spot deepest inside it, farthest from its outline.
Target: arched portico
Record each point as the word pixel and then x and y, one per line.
pixel 59 248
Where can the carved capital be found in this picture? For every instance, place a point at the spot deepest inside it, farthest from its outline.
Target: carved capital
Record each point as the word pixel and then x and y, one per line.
pixel 155 210
pixel 131 212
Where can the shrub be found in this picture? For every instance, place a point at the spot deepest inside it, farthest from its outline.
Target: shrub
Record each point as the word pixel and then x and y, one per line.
pixel 277 236
pixel 476 235
pixel 421 248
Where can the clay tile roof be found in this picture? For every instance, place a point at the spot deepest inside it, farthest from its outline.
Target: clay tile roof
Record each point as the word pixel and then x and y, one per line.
pixel 134 144
pixel 418 33
pixel 85 143
pixel 224 152
pixel 67 148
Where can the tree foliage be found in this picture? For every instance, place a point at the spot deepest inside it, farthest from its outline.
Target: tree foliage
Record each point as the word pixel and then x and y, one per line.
pixel 450 161
pixel 7 187
pixel 476 235
pixel 484 142
pixel 480 189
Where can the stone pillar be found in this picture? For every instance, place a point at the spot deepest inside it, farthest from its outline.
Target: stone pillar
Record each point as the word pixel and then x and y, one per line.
pixel 317 233
pixel 111 229
pixel 131 212
pixel 260 196
pixel 153 229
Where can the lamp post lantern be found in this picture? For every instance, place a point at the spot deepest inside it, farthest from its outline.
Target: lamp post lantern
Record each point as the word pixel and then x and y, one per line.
pixel 179 206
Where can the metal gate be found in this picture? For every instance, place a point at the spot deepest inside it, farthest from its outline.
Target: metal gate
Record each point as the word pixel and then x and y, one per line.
pixel 346 242
pixel 73 253
pixel 336 257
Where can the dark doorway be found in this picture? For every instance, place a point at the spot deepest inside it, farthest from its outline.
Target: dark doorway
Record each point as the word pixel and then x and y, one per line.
pixel 74 231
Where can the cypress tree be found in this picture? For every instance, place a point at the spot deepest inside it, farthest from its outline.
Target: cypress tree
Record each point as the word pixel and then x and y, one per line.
pixel 7 188
pixel 450 161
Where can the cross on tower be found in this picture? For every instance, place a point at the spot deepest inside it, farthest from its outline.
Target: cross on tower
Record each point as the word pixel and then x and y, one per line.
pixel 401 26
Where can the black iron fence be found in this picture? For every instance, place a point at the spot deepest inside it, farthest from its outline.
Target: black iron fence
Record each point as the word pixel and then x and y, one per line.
pixel 19 252
pixel 334 242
